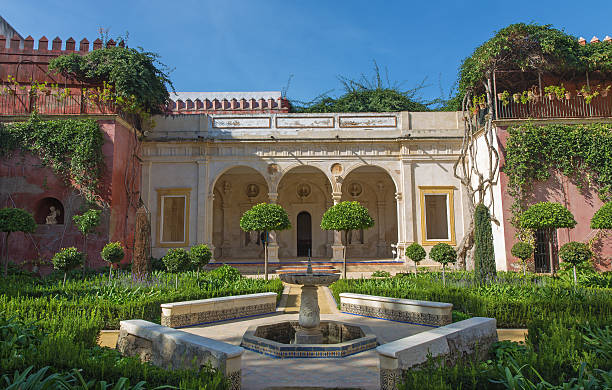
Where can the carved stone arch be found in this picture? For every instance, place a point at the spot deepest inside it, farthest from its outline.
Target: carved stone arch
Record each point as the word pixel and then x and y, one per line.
pixel 287 169
pixel 261 169
pixel 393 175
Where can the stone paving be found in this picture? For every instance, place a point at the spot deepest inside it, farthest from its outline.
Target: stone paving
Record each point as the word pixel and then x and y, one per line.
pixel 263 372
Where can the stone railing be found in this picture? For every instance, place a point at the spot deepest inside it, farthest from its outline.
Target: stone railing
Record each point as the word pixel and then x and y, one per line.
pixel 469 338
pixel 174 349
pixel 395 309
pixel 180 314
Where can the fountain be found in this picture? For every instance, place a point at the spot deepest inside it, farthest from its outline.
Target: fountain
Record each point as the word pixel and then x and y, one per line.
pixel 310 319
pixel 309 336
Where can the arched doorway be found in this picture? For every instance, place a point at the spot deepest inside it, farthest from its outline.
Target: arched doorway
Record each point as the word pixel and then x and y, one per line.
pixel 304 234
pixel 373 187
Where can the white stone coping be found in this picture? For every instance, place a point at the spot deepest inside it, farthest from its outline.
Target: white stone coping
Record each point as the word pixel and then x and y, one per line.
pixel 154 332
pixel 434 341
pixel 201 305
pixel 400 301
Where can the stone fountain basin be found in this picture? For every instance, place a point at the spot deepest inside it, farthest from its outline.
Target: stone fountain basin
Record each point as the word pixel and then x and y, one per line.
pixel 340 339
pixel 306 279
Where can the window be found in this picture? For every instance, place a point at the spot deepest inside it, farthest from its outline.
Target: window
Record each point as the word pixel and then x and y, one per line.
pixel 437 215
pixel 173 217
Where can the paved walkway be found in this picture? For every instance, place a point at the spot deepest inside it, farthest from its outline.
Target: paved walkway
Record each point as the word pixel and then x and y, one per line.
pixel 259 372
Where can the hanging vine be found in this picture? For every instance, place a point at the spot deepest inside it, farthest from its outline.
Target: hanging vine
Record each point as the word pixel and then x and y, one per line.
pixel 71 147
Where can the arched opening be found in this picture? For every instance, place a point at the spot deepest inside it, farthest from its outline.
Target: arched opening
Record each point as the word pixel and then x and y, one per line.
pixel 304 234
pixel 374 188
pixel 49 211
pixel 235 191
pixel 304 189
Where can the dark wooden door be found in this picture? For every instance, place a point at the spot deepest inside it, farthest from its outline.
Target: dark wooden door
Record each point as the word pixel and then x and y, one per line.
pixel 304 234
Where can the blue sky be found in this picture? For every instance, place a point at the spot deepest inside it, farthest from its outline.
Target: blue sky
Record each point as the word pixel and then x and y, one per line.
pixel 257 45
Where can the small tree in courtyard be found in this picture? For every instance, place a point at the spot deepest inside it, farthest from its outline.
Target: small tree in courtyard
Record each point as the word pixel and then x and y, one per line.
pixel 67 259
pixel 523 251
pixel 603 217
pixel 547 216
pixel 87 223
pixel 416 253
pixel 176 260
pixel 112 253
pixel 575 253
pixel 484 254
pixel 444 254
pixel 265 217
pixel 15 220
pixel 346 216
pixel 199 256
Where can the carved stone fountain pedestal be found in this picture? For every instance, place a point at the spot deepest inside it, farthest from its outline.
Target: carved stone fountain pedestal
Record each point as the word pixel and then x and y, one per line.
pixel 310 319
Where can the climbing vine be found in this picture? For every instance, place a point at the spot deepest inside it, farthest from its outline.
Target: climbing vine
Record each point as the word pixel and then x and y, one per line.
pixel 71 147
pixel 582 152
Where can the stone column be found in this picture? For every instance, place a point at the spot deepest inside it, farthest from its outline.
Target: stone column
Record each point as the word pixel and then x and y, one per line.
pixel 337 247
pixel 310 318
pixel 208 240
pixel 272 243
pixel 200 225
pixel 381 246
pixel 407 206
pixel 226 246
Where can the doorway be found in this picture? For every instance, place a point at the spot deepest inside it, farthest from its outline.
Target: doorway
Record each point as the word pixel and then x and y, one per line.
pixel 304 234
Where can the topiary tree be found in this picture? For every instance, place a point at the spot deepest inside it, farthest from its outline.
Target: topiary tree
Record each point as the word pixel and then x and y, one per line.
pixel 15 220
pixel 523 251
pixel 86 223
pixel 199 256
pixel 443 254
pixel 416 253
pixel 575 253
pixel 346 216
pixel 176 260
pixel 547 216
pixel 67 259
pixel 265 217
pixel 603 217
pixel 112 253
pixel 484 254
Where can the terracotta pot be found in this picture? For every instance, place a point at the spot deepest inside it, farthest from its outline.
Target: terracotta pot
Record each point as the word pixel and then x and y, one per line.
pixel 568 95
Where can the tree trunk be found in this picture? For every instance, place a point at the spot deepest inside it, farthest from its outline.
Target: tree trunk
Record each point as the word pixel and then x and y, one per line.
pixel 344 255
pixel 64 279
pixel 415 268
pixel 443 275
pixel 85 253
pixel 266 258
pixel 176 281
pixel 6 252
pixel 575 278
pixel 110 271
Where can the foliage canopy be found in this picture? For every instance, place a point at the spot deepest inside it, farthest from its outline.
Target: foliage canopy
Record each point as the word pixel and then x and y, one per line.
pixel 199 255
pixel 522 250
pixel 177 259
pixel 416 252
pixel 603 217
pixel 443 253
pixel 112 252
pixel 88 221
pixel 67 259
pixel 346 216
pixel 575 253
pixel 547 215
pixel 138 81
pixel 16 220
pixel 265 217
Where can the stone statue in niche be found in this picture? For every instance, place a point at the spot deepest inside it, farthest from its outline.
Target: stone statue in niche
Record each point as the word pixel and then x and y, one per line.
pixel 252 190
pixel 52 217
pixel 252 239
pixel 355 189
pixel 303 190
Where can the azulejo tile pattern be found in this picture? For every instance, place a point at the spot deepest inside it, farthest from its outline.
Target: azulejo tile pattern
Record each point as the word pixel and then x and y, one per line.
pixel 235 380
pixel 187 319
pixel 396 315
pixel 389 379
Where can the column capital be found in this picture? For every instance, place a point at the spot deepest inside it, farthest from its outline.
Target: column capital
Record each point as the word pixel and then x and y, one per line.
pixel 272 197
pixel 398 196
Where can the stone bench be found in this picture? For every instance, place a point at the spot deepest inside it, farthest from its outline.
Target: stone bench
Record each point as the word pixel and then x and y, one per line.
pixel 396 309
pixel 175 349
pixel 469 338
pixel 187 313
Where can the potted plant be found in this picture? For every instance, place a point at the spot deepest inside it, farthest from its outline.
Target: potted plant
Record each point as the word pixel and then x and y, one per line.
pixel 516 97
pixel 568 95
pixel 504 97
pixel 605 91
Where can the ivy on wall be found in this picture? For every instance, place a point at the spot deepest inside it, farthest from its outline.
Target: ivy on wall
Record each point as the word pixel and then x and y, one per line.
pixel 71 147
pixel 582 152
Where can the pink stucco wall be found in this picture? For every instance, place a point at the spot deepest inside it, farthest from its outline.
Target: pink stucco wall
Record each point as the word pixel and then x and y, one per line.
pixel 582 203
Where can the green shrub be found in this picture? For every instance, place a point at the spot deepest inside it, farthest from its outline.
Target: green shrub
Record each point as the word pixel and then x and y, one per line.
pixel 199 256
pixel 444 254
pixel 523 251
pixel 547 215
pixel 603 217
pixel 15 220
pixel 575 253
pixel 484 254
pixel 112 253
pixel 176 260
pixel 226 274
pixel 67 259
pixel 381 274
pixel 416 253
